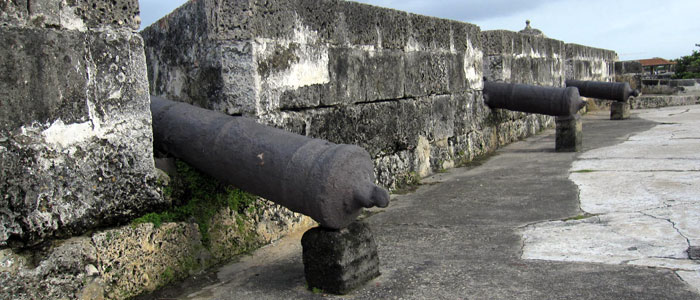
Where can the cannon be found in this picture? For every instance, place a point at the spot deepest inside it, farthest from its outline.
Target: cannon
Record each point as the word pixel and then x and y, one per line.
pixel 619 92
pixel 330 183
pixel 533 99
pixel 616 91
pixel 563 103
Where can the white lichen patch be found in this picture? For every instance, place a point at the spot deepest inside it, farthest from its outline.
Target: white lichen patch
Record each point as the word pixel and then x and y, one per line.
pixel 176 83
pixel 61 136
pixel 412 45
pixel 473 65
pixel 530 53
pixel 69 19
pixel 311 63
pixel 312 68
pixel 422 154
pixel 287 64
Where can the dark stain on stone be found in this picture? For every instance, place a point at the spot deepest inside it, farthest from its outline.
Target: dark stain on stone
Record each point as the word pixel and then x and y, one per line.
pixel 281 59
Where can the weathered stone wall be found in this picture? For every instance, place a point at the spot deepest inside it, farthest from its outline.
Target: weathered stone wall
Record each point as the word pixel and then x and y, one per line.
pixel 588 63
pixel 628 67
pixel 594 64
pixel 519 58
pixel 657 101
pixel 75 134
pixel 405 87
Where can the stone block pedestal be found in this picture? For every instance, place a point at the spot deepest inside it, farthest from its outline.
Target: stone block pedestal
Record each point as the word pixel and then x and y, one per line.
pixel 338 261
pixel 694 252
pixel 619 111
pixel 569 136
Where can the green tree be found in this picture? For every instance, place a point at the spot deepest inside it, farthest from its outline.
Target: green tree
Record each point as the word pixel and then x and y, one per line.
pixel 688 66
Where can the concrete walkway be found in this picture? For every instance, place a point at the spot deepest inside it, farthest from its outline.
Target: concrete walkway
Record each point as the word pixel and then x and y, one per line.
pixel 513 228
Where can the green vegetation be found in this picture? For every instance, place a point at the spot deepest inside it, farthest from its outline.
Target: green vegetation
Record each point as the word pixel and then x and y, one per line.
pixel 409 182
pixel 688 67
pixel 201 197
pixel 167 276
pixel 464 162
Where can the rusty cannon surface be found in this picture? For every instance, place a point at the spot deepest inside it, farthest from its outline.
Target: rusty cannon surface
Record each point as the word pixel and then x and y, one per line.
pixel 329 182
pixel 616 91
pixel 551 101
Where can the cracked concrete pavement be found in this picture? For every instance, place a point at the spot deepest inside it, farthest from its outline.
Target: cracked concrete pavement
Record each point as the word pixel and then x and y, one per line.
pixel 643 199
pixel 513 227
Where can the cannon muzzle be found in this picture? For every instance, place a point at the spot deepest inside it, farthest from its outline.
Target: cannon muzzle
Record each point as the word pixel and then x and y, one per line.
pixel 331 183
pixel 551 101
pixel 616 91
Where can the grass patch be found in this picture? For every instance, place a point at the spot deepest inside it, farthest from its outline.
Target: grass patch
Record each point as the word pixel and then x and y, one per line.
pixel 407 184
pixel 465 162
pixel 200 198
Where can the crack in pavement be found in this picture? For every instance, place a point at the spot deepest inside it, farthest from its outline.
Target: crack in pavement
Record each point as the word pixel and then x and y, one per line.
pixel 675 226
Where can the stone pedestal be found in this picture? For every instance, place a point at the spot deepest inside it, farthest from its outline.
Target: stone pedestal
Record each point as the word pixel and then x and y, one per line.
pixel 338 261
pixel 694 252
pixel 569 133
pixel 619 111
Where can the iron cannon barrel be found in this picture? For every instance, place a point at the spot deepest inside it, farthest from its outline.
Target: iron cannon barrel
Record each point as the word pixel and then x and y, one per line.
pixel 551 101
pixel 329 182
pixel 617 91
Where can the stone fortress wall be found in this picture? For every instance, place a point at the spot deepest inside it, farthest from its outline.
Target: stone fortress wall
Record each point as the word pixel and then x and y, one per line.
pixel 405 87
pixel 76 141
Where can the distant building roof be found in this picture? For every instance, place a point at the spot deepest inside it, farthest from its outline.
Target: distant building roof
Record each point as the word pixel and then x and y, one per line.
pixel 531 31
pixel 656 61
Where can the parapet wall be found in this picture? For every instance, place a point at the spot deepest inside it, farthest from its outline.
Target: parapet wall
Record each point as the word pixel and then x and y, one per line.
pixel 587 63
pixel 405 87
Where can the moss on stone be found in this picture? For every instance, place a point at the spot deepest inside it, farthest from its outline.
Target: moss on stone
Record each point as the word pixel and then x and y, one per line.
pixel 200 197
pixel 407 183
pixel 281 59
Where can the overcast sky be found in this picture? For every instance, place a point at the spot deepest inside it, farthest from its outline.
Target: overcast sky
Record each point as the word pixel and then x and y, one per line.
pixel 635 29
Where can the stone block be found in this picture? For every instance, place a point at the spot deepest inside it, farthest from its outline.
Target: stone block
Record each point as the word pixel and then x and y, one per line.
pixel 75 133
pixel 360 21
pixel 518 58
pixel 346 71
pixel 588 63
pixel 569 134
pixel 384 76
pixel 694 252
pixel 373 126
pixel 303 97
pixel 426 74
pixel 338 261
pixel 628 67
pixel 430 33
pixel 394 28
pixel 72 14
pixel 619 110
